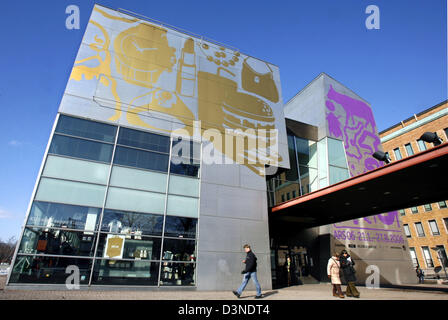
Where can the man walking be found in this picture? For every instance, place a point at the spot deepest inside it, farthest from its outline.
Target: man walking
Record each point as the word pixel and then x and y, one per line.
pixel 249 272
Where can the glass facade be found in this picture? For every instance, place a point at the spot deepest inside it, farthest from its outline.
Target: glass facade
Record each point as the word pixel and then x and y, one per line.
pixel 110 202
pixel 314 165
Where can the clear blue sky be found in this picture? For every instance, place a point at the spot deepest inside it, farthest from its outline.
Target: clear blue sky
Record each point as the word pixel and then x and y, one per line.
pixel 400 69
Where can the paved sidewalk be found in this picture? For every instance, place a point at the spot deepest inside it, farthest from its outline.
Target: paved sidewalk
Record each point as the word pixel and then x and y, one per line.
pixel 321 291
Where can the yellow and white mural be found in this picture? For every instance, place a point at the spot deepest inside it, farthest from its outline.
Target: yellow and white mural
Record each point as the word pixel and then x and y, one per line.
pixel 134 72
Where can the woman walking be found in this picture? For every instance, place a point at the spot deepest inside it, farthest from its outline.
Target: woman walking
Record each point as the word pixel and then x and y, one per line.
pixel 347 264
pixel 333 268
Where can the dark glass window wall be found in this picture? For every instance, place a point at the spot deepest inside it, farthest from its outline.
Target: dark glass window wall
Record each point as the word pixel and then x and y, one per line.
pixel 129 248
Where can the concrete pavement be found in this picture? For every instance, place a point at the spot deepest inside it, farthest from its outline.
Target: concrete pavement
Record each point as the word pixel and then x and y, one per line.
pixel 322 291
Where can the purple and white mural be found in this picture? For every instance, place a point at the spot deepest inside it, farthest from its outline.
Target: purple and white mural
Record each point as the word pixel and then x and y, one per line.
pixel 351 120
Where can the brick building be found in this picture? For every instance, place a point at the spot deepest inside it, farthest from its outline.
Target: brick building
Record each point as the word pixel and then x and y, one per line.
pixel 426 226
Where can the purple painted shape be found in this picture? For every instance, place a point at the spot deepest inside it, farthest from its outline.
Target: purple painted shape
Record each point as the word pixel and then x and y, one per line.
pixel 361 141
pixel 358 119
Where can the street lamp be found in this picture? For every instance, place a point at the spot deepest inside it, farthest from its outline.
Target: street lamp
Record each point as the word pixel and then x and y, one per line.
pixel 431 137
pixel 441 258
pixel 381 156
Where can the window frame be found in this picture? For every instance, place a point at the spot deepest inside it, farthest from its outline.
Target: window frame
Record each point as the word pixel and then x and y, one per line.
pixel 397 151
pixel 416 229
pixel 437 233
pixel 409 149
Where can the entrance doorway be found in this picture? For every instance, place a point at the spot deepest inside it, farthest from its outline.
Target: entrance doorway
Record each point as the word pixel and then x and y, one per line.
pixel 290 264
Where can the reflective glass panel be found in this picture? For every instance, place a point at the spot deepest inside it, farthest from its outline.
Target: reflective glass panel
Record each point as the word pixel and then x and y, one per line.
pixel 80 148
pixel 126 246
pixel 135 273
pixel 177 274
pixel 138 179
pixel 144 140
pixel 63 216
pixel 57 242
pixel 323 164
pixel 86 129
pixel 306 152
pixel 48 270
pixel 292 174
pixel 184 166
pixel 132 223
pixel 179 250
pixel 336 153
pixel 182 206
pixel 78 170
pixel 338 174
pixel 180 227
pixel 70 192
pixel 141 159
pixel 184 186
pixel 135 200
pixel 308 179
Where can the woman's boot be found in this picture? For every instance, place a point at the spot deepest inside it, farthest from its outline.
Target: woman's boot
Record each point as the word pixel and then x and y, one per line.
pixel 353 290
pixel 348 291
pixel 340 294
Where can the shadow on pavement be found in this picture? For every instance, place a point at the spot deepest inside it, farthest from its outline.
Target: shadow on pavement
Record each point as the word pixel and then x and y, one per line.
pixel 265 295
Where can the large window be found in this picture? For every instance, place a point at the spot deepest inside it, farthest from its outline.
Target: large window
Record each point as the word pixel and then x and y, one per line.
pixel 420 230
pixel 132 223
pixel 126 272
pixel 83 139
pixel 428 258
pixel 48 270
pixel 144 140
pixel 57 242
pixel 120 221
pixel 80 148
pixel 86 129
pixel 141 159
pixel 128 246
pixel 56 215
pixel 445 220
pixel 434 228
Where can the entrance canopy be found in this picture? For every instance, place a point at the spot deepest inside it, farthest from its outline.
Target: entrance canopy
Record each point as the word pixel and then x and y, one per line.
pixel 415 180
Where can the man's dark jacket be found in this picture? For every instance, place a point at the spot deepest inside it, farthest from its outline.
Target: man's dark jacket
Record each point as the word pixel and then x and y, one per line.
pixel 251 262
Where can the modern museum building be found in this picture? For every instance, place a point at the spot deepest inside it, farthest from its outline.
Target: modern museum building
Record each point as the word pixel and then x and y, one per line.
pixel 167 155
